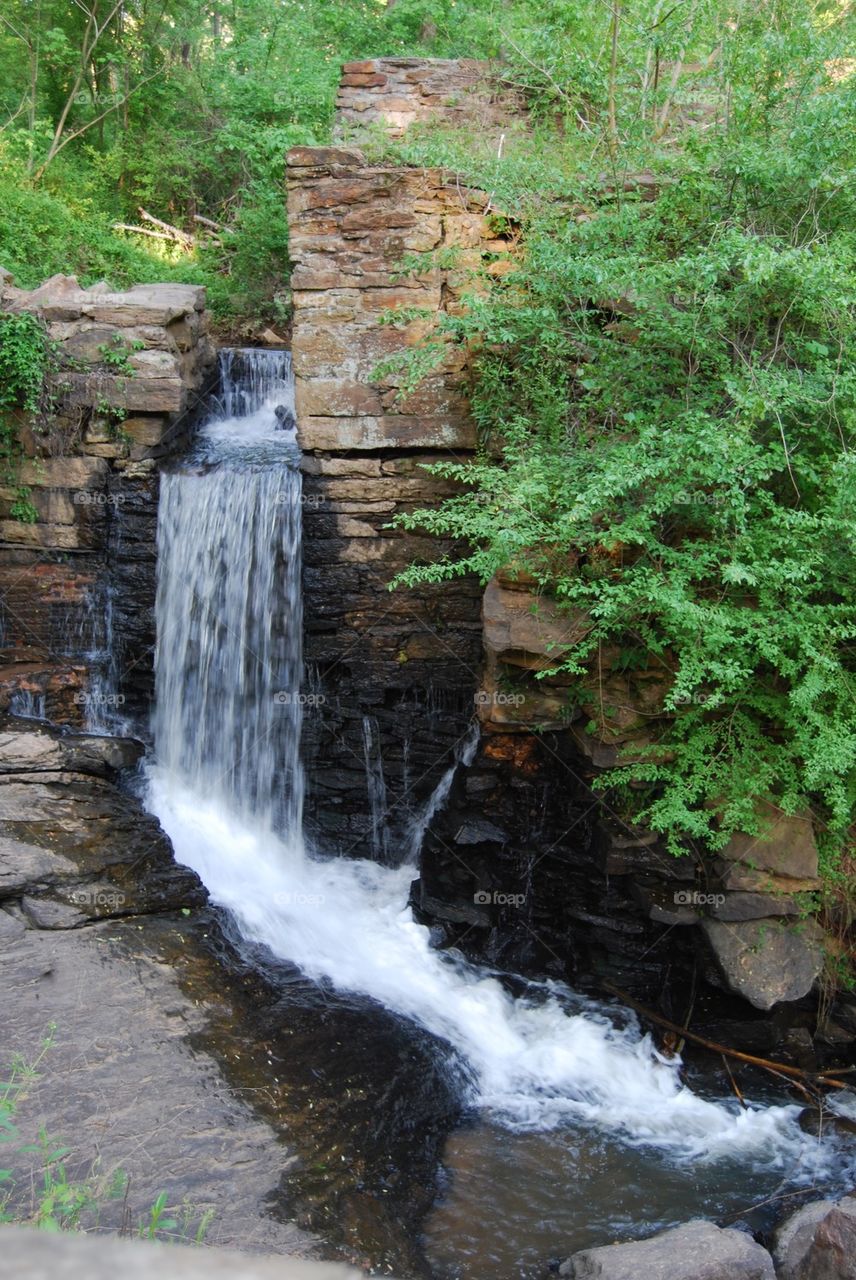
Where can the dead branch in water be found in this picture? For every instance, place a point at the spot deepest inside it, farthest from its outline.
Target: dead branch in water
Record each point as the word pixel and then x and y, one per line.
pixel 777 1068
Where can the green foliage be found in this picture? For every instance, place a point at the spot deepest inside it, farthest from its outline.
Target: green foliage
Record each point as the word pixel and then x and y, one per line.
pixel 116 355
pixel 666 400
pixel 25 358
pixel 184 109
pixel 23 362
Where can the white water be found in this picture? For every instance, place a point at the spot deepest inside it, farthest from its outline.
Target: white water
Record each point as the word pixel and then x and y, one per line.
pixel 227 786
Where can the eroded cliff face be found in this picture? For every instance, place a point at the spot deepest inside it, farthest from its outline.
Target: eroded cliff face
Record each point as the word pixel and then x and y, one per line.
pixel 77 584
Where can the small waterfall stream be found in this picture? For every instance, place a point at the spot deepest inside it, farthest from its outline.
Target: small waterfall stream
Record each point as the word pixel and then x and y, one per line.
pixel 227 784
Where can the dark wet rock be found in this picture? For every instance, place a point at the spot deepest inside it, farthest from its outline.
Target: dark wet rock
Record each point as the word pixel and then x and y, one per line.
pixel 363 1098
pixel 664 904
pixel 697 1250
pixel 84 843
pixel 813 1122
pixel 454 912
pixel 766 961
pixel 480 831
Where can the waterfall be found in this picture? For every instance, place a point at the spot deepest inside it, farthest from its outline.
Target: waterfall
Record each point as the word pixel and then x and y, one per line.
pixel 227 786
pixel 464 754
pixel 228 661
pixel 27 705
pixel 253 378
pixel 376 786
pixel 102 700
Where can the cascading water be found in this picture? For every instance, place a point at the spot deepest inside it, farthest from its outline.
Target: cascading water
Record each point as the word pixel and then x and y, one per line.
pixel 228 665
pixel 227 786
pixel 376 786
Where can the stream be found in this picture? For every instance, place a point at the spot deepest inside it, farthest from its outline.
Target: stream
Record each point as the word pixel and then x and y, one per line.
pixel 573 1129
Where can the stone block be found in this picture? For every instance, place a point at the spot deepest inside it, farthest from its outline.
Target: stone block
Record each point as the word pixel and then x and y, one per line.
pixel 766 961
pixel 392 431
pixel 518 623
pixel 786 847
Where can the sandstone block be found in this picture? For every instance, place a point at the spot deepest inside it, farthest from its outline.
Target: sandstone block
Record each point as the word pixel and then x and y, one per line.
pixel 766 961
pixel 787 847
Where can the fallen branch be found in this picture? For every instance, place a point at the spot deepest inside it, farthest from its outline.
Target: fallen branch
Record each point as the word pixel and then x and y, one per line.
pixel 208 222
pixel 173 232
pixel 734 1083
pixel 777 1068
pixel 147 231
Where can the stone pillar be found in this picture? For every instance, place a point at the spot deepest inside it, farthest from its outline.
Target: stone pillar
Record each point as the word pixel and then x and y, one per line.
pixel 399 668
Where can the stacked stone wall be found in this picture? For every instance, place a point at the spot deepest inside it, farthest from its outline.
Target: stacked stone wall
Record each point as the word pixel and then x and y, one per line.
pixel 82 572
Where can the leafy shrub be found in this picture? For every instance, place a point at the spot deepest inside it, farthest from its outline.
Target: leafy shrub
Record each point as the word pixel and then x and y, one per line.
pixel 666 401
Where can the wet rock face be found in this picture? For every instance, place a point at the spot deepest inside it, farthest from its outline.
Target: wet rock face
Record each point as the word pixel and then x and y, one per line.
pixel 74 847
pixel 518 871
pixel 737 917
pixel 80 580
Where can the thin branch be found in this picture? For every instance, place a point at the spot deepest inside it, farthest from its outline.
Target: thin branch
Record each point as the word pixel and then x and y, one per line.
pixel 55 150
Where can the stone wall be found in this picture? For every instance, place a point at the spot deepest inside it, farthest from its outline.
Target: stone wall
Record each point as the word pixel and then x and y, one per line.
pixel 393 94
pixel 77 584
pixel 398 668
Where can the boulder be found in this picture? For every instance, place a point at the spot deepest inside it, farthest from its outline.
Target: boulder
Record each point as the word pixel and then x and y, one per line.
pixel 794 1238
pixel 766 961
pixel 832 1253
pixel 697 1250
